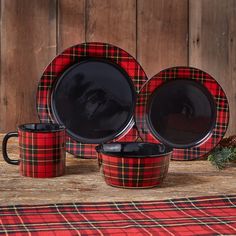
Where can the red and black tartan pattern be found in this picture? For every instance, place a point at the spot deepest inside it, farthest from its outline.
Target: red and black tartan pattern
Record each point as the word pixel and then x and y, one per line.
pixel 42 154
pixel 214 215
pixel 133 172
pixel 222 110
pixel 68 58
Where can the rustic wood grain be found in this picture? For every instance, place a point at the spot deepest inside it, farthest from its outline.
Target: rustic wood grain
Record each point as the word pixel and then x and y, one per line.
pixel 1 104
pixel 112 22
pixel 212 29
pixel 71 23
pixel 162 34
pixel 83 182
pixel 155 31
pixel 28 42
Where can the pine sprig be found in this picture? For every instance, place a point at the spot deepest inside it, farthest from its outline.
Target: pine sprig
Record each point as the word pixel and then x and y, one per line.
pixel 220 157
pixel 224 153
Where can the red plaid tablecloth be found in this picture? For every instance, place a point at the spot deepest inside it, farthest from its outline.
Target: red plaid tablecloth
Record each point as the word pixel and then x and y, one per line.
pixel 186 216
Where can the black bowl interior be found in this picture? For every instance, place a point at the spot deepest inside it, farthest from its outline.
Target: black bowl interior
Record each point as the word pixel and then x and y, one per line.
pixel 41 127
pixel 133 149
pixel 95 100
pixel 181 113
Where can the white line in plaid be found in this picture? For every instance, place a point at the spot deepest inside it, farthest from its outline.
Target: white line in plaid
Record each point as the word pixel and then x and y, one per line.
pixel 68 222
pixel 134 167
pixel 155 221
pixel 123 173
pixel 123 178
pixel 35 148
pixel 154 226
pixel 217 219
pixel 228 198
pixel 192 217
pixel 89 222
pixel 136 223
pixel 146 203
pixel 21 220
pixel 37 160
pixel 32 156
pixel 137 177
pixel 109 57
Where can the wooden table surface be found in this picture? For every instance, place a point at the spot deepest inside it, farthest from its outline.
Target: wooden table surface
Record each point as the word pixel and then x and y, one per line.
pixel 83 182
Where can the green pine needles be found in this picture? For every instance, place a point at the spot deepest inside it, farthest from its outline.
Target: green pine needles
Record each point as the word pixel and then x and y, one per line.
pixel 224 153
pixel 221 157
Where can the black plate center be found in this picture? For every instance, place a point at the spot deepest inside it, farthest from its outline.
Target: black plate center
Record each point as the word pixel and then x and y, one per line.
pixel 95 100
pixel 181 113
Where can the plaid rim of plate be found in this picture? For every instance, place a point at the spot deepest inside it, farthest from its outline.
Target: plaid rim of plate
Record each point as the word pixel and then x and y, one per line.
pixel 69 57
pixel 215 215
pixel 222 109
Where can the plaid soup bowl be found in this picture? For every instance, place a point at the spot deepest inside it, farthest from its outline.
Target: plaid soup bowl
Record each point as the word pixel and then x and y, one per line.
pixel 134 165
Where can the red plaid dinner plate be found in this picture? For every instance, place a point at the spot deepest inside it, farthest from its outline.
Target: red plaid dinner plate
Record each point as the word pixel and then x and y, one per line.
pixel 91 89
pixel 184 108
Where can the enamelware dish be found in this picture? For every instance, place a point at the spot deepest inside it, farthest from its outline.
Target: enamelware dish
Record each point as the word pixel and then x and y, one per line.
pixel 91 89
pixel 134 165
pixel 184 108
pixel 42 152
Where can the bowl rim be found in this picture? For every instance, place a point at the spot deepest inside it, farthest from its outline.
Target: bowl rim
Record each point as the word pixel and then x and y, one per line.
pixel 99 150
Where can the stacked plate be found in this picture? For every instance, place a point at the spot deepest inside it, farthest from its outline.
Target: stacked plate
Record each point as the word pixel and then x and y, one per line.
pixel 101 94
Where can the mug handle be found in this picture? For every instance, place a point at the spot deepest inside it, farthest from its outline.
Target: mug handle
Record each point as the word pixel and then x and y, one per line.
pixel 4 148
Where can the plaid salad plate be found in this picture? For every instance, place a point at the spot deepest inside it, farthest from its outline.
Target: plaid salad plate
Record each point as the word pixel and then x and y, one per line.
pixel 200 110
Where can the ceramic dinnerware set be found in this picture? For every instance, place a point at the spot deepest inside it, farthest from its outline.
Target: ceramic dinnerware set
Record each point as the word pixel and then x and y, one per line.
pixel 94 100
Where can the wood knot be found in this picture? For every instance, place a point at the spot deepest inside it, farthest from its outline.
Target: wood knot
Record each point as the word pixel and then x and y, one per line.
pixel 5 101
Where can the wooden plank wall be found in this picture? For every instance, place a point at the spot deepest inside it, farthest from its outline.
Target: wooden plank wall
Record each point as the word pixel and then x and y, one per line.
pixel 159 33
pixel 212 45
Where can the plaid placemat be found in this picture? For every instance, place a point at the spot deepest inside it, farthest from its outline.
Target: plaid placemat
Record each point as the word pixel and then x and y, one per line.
pixel 187 216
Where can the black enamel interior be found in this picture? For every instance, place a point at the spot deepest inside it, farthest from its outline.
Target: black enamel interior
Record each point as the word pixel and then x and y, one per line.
pixel 181 113
pixel 133 149
pixel 95 100
pixel 41 127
